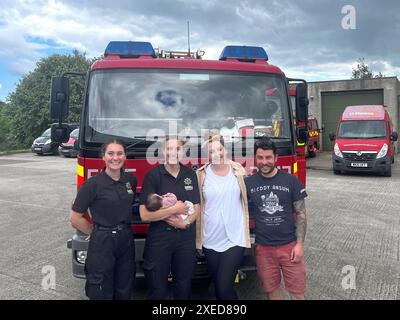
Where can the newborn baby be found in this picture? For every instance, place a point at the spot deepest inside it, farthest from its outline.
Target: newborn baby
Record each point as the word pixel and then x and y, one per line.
pixel 155 202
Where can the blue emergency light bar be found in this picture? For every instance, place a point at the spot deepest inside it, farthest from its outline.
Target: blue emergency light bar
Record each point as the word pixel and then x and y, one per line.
pixel 130 49
pixel 243 53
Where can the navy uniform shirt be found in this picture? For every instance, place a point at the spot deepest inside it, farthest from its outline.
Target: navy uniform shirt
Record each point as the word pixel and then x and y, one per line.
pixel 110 202
pixel 273 206
pixel 159 180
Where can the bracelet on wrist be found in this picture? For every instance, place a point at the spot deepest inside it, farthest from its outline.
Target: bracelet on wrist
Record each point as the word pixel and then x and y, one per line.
pixel 187 221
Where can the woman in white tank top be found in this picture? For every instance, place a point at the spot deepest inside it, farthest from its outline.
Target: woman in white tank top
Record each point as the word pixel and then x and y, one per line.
pixel 223 226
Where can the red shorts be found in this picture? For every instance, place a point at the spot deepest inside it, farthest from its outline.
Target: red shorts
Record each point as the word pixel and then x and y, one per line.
pixel 272 260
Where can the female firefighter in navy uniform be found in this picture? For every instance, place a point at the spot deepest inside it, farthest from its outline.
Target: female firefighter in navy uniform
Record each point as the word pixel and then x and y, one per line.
pixel 110 263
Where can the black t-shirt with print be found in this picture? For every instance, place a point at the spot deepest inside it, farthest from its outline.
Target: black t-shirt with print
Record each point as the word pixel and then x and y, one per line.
pixel 273 206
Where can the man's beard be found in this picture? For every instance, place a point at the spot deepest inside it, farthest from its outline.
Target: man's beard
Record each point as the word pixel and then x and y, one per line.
pixel 269 168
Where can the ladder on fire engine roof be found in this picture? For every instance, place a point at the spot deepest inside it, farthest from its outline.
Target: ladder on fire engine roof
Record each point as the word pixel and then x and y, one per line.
pixel 168 54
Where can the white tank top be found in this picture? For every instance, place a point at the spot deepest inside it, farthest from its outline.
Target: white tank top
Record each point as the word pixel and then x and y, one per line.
pixel 223 212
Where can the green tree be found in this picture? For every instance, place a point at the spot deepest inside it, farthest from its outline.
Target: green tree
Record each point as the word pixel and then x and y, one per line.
pixel 362 71
pixel 29 106
pixel 4 126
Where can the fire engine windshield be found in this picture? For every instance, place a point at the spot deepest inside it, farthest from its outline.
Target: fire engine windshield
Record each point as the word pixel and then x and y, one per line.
pixel 364 129
pixel 143 103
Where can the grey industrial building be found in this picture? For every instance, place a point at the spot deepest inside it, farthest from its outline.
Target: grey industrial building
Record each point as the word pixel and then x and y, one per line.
pixel 329 98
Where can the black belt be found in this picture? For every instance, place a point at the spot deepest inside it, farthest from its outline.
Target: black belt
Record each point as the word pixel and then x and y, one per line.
pixel 117 227
pixel 161 225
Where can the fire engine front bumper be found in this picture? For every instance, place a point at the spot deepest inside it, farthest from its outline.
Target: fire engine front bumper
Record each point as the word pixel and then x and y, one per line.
pixel 378 166
pixel 79 245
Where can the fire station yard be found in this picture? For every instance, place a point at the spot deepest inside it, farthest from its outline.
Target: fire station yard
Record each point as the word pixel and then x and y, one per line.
pixel 352 246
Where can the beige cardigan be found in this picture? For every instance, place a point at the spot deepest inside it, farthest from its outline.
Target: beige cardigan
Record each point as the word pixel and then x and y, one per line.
pixel 239 173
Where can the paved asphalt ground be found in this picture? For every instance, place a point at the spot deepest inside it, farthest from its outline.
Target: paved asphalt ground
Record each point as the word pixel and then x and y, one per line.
pixel 353 225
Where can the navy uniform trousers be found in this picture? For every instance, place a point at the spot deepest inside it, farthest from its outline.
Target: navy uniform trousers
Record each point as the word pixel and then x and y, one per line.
pixel 169 250
pixel 110 264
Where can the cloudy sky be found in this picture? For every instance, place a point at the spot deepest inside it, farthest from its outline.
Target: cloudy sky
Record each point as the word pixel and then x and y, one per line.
pixel 305 38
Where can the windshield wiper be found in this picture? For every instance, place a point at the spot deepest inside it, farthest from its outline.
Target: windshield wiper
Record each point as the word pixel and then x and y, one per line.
pixel 362 137
pixel 350 138
pixel 137 141
pixel 376 137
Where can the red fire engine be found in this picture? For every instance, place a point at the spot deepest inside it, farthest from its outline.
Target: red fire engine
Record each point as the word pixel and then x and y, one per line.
pixel 314 135
pixel 139 95
pixel 301 149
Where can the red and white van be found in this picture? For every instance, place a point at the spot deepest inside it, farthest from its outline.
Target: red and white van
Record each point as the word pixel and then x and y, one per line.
pixel 364 141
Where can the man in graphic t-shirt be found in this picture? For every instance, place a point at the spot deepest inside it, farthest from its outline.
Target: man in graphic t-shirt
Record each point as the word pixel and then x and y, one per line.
pixel 280 224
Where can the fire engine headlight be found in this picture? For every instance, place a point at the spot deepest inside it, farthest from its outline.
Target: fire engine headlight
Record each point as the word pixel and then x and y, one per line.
pixel 337 151
pixel 81 256
pixel 48 141
pixel 383 151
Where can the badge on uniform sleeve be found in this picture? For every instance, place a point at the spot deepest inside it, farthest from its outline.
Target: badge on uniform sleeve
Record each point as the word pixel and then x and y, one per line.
pixel 188 184
pixel 129 188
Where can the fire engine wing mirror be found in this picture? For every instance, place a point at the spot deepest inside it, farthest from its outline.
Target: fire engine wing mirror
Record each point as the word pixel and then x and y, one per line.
pixel 332 136
pixel 60 132
pixel 302 134
pixel 301 102
pixel 59 98
pixel 394 136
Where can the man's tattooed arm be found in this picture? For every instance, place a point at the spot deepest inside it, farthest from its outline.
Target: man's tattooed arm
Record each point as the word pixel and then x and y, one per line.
pixel 301 221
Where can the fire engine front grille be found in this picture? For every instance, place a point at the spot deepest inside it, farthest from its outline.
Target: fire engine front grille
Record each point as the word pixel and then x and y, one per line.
pixel 359 156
